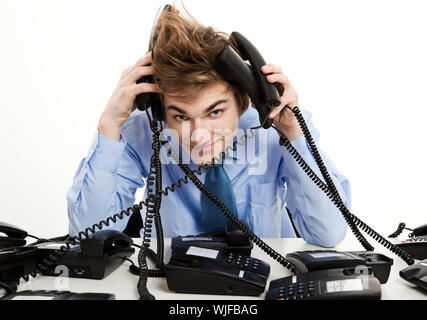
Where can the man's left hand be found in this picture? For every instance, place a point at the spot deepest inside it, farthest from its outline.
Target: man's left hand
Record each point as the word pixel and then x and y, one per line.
pixel 283 118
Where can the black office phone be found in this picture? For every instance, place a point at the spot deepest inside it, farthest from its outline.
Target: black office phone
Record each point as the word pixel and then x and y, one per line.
pixel 94 258
pixel 249 279
pixel 57 295
pixel 232 239
pixel 314 260
pixel 415 246
pixel 214 241
pixel 13 236
pixel 416 274
pixel 331 284
pixel 194 269
pixel 17 262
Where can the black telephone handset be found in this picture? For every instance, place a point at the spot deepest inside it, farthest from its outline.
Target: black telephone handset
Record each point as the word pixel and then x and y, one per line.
pixel 95 258
pixel 233 68
pixel 230 240
pixel 14 236
pixel 152 100
pixel 419 231
pixel 416 274
pixel 58 295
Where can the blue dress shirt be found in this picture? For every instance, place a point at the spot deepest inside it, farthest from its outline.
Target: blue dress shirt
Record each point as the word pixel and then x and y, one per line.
pixel 265 180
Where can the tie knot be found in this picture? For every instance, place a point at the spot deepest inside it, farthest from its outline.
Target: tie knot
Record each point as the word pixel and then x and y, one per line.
pixel 218 164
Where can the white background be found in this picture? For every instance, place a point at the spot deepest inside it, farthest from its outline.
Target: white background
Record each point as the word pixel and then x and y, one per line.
pixel 359 66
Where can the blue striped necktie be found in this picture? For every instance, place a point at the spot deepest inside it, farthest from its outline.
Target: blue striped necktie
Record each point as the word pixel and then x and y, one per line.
pixel 218 182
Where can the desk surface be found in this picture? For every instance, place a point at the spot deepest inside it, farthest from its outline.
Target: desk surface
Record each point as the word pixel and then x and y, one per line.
pixel 123 283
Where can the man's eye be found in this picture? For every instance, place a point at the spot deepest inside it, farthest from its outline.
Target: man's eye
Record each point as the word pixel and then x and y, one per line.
pixel 180 118
pixel 216 113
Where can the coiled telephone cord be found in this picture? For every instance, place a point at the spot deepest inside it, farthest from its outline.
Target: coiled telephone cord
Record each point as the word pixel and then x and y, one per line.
pixel 154 200
pixel 153 212
pixel 230 216
pixel 332 193
pixel 152 204
pixel 400 228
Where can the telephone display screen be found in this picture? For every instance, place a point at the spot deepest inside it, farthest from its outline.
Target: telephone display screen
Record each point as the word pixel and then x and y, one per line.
pixel 203 252
pixel 29 297
pixel 197 239
pixel 344 285
pixel 320 255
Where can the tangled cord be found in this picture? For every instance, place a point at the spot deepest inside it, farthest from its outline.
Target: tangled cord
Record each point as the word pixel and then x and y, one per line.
pixel 230 216
pixel 154 201
pixel 153 213
pixel 332 193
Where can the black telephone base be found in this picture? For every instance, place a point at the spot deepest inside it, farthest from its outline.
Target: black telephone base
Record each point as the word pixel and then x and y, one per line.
pixel 216 241
pixel 329 284
pixel 203 282
pixel 88 267
pixel 416 247
pixel 201 270
pixel 17 262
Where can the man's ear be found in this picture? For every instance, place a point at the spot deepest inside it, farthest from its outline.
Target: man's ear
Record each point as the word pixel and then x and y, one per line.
pixel 244 109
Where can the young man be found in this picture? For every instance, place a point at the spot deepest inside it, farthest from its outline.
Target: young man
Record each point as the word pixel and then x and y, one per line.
pixel 205 113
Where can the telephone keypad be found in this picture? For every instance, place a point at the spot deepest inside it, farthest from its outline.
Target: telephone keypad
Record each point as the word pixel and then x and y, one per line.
pixel 416 239
pixel 415 246
pixel 296 291
pixel 243 261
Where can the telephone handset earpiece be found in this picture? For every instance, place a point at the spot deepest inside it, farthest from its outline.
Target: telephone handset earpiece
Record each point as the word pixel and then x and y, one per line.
pixel 233 68
pixel 144 101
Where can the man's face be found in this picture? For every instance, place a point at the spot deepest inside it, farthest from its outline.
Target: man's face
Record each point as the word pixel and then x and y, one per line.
pixel 206 126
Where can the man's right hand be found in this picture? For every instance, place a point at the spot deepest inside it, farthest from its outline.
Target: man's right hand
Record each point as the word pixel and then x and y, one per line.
pixel 122 101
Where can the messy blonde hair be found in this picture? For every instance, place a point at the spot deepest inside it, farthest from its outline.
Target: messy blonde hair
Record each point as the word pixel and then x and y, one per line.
pixel 184 55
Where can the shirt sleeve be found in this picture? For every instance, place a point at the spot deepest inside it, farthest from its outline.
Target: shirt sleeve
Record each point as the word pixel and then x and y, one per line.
pixel 315 217
pixel 104 184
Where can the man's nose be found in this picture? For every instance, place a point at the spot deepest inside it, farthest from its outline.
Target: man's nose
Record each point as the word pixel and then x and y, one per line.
pixel 199 132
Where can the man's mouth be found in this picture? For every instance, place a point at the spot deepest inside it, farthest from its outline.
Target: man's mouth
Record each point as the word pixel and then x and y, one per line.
pixel 205 147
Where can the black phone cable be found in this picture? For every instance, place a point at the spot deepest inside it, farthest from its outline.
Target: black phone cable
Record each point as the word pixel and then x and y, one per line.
pixel 47 263
pixel 399 230
pixel 325 174
pixel 354 220
pixel 351 219
pixel 229 215
pixel 153 213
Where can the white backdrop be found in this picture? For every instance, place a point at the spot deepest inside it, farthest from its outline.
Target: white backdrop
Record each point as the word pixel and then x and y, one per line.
pixel 359 66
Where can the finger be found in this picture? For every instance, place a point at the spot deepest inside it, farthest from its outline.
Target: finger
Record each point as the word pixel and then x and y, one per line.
pixel 145 60
pixel 146 88
pixel 139 72
pixel 290 101
pixel 271 68
pixel 276 111
pixel 278 77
